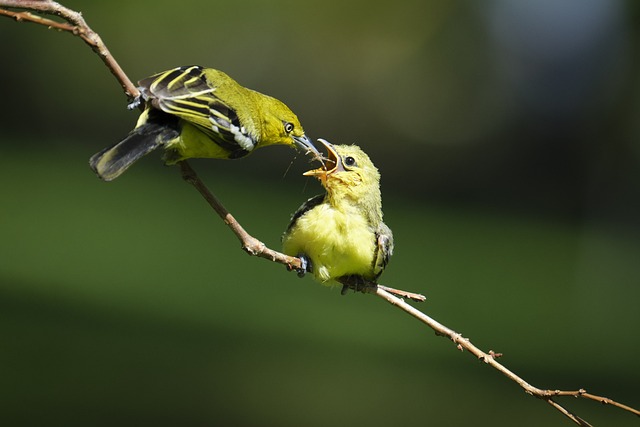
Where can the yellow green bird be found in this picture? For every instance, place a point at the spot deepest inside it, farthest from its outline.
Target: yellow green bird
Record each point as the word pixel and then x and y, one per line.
pixel 340 235
pixel 196 112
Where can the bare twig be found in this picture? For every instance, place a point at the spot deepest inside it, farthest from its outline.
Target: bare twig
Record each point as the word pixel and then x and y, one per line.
pixel 250 244
pixel 254 247
pixel 490 359
pixel 75 24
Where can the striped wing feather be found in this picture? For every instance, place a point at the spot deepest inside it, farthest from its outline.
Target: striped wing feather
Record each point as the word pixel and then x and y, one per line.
pixel 187 93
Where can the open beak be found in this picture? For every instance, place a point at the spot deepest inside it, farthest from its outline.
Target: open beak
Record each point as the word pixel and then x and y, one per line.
pixel 304 143
pixel 332 163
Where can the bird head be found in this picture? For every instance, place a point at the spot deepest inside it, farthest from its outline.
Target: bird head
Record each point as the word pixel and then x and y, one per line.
pixel 281 126
pixel 348 173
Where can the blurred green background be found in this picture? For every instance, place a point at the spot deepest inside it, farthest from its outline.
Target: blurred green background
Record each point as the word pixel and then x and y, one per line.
pixel 507 137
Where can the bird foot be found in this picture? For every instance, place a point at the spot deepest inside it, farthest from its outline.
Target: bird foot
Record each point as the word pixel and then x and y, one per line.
pixel 305 266
pixel 135 103
pixel 357 283
pixel 360 284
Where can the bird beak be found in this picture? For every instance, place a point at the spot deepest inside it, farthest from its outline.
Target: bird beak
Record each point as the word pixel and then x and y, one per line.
pixel 303 142
pixel 332 160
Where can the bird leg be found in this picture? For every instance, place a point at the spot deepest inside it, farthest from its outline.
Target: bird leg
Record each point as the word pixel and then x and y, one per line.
pixel 305 266
pixel 137 101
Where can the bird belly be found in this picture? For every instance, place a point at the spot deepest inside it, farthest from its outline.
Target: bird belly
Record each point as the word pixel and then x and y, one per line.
pixel 193 143
pixel 337 243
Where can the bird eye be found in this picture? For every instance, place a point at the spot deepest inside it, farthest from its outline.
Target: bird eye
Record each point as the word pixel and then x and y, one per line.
pixel 349 161
pixel 288 127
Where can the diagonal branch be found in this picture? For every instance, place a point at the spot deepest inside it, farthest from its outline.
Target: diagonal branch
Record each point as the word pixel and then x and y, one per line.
pixel 250 244
pixel 254 247
pixel 490 359
pixel 74 23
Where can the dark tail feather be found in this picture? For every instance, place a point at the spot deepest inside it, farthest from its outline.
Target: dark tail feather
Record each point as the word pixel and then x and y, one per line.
pixel 111 162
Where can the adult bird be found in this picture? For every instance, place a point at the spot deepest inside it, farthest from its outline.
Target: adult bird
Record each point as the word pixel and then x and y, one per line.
pixel 340 235
pixel 196 112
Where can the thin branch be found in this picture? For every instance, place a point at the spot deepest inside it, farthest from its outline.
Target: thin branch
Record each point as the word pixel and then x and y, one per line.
pixel 576 419
pixel 255 247
pixel 250 244
pixel 488 358
pixel 75 24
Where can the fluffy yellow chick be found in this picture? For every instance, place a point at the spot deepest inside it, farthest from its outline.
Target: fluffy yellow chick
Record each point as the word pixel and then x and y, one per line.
pixel 340 235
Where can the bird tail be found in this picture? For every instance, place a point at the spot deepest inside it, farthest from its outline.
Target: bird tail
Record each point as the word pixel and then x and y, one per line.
pixel 111 162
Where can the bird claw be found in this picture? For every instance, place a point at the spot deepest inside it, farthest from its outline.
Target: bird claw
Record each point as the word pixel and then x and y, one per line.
pixel 135 103
pixel 305 266
pixel 357 283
